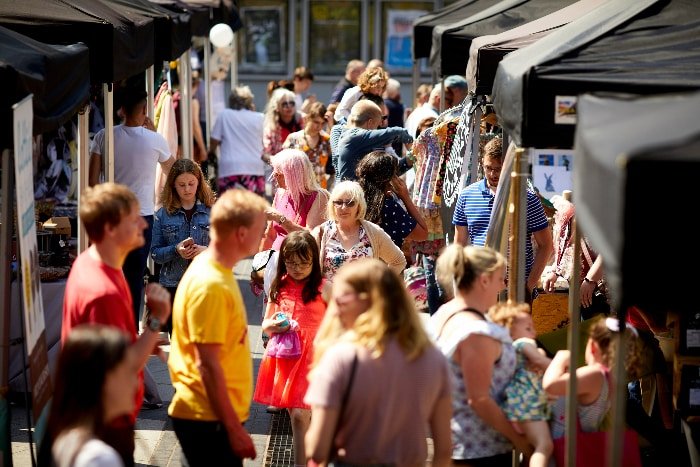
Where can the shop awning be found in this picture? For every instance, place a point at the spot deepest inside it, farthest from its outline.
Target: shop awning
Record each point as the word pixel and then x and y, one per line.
pixel 57 75
pixel 423 26
pixel 487 51
pixel 173 35
pixel 632 46
pixel 120 44
pixel 200 16
pixel 627 150
pixel 450 52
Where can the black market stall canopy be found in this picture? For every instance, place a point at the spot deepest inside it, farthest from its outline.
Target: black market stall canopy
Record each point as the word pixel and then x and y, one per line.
pixel 622 146
pixel 631 46
pixel 487 51
pixel 173 35
pixel 120 43
pixel 450 52
pixel 423 26
pixel 57 75
pixel 222 11
pixel 200 16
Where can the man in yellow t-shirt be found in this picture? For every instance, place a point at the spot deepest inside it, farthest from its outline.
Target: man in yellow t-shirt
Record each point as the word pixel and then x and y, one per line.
pixel 210 362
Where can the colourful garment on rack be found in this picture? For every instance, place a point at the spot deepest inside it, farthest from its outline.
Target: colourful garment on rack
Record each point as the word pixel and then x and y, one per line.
pixel 446 132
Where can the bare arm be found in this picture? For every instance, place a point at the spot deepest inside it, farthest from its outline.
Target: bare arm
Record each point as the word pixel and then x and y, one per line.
pixel 589 379
pixel 95 169
pixel 535 358
pixel 420 231
pixel 197 129
pixel 477 355
pixel 319 210
pixel 461 235
pixel 545 247
pixel 213 144
pixel 442 433
pixel 158 301
pixel 207 356
pixel 319 436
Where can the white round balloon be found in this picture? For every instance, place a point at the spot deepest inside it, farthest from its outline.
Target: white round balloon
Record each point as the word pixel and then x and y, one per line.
pixel 221 35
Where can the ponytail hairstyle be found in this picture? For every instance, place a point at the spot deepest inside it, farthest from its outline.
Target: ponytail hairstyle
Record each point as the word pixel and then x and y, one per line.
pixel 459 267
pixel 604 333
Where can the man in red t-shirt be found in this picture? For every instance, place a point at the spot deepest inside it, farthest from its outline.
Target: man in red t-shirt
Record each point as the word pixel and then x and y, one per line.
pixel 97 292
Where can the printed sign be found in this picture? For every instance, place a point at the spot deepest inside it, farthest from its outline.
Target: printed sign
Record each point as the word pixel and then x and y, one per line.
pixel 552 171
pixel 33 307
pixel 399 37
pixel 565 110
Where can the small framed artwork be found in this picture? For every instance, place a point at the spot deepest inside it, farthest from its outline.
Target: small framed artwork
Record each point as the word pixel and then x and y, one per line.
pixel 263 38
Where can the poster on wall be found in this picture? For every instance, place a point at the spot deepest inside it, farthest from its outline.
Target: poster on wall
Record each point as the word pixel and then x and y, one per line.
pixel 262 38
pixel 552 171
pixel 399 36
pixel 33 306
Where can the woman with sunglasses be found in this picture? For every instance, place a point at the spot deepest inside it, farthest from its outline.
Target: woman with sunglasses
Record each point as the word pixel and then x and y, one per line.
pixel 347 236
pixel 372 355
pixel 281 119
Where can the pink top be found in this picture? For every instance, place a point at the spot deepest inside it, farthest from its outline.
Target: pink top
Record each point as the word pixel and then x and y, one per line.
pixel 409 391
pixel 285 205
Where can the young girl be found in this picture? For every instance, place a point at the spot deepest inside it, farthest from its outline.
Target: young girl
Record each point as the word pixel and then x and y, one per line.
pixel 526 402
pixel 593 380
pixel 296 292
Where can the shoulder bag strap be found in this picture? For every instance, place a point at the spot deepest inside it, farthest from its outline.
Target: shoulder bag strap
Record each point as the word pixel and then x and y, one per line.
pixel 343 403
pixel 469 309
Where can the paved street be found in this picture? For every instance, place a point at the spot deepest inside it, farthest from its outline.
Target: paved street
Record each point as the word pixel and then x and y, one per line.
pixel 156 443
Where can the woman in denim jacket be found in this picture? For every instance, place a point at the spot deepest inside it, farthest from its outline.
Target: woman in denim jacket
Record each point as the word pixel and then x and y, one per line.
pixel 181 226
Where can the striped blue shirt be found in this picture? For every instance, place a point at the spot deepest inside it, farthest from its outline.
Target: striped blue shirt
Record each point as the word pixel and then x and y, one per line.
pixel 473 210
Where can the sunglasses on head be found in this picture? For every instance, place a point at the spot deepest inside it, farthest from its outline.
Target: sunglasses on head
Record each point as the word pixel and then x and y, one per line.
pixel 348 203
pixel 286 104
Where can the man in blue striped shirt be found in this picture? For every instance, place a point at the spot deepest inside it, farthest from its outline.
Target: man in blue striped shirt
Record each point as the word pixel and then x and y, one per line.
pixel 473 213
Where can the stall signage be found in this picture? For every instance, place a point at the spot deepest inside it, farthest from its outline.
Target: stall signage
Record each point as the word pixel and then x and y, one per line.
pixel 32 304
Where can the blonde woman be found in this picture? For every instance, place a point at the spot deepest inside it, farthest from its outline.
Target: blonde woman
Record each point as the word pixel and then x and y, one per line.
pixel 347 236
pixel 481 355
pixel 281 119
pixel 372 331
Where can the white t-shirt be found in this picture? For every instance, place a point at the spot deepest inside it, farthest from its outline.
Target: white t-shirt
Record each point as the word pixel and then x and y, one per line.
pixel 96 453
pixel 241 135
pixel 137 151
pixel 93 452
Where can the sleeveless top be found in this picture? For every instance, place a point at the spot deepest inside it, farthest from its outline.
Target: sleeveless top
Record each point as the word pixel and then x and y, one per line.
pixel 297 214
pixel 473 438
pixel 591 416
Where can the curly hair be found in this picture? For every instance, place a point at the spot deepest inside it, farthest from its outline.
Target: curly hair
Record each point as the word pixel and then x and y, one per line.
pixel 375 172
pixel 601 333
pixel 370 77
pixel 505 314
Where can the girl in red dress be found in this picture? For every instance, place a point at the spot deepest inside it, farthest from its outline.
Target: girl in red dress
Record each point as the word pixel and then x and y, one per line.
pixel 296 292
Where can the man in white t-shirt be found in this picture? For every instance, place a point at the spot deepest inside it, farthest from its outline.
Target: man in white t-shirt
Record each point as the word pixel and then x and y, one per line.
pixel 138 149
pixel 239 131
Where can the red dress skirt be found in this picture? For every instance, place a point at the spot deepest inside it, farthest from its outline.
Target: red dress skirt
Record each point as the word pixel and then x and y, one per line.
pixel 283 382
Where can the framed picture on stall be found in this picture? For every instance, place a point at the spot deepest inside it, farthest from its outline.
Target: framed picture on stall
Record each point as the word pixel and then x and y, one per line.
pixel 263 45
pixel 552 171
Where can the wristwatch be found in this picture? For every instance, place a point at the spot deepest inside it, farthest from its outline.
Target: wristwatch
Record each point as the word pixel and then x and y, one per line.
pixel 586 279
pixel 282 219
pixel 154 324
